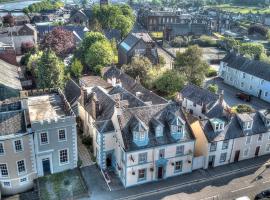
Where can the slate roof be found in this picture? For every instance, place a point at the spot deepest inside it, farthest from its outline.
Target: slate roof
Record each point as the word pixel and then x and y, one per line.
pixel 77 30
pixel 93 81
pixel 12 118
pixel 72 93
pixel 199 95
pixel 104 126
pixel 256 68
pixel 146 115
pixel 132 86
pixel 233 128
pixel 9 77
pixel 106 104
pixel 132 39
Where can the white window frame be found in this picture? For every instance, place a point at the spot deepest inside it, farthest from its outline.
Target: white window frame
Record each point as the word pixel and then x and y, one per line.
pixel 25 171
pixel 268 144
pixel 1 171
pixel 3 147
pixel 14 147
pixel 179 147
pixel 59 161
pixel 62 140
pixel 259 138
pixel 247 140
pixel 247 152
pixel 222 161
pixel 3 183
pixel 24 182
pixel 48 141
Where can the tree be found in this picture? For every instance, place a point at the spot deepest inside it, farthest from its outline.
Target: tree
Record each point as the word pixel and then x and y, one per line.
pixel 254 50
pixel 99 55
pixel 27 47
pixel 124 24
pixel 170 82
pixel 213 88
pixel 138 67
pixel 61 41
pixel 49 70
pixel 190 63
pixel 8 20
pixel 90 38
pixel 76 68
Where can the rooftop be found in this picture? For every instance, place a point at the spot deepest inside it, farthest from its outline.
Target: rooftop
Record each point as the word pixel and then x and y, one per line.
pixel 93 81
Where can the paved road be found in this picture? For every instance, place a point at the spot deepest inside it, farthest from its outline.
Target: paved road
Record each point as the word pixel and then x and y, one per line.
pixel 230 180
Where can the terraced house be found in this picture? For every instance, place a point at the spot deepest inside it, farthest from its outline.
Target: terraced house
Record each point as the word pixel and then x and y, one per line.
pixel 37 137
pixel 141 140
pixel 250 76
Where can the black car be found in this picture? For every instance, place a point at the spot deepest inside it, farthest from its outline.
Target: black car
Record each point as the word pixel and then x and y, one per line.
pixel 264 195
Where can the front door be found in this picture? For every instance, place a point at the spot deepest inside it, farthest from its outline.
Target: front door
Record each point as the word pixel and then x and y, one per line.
pixel 46 166
pixel 257 151
pixel 260 93
pixel 109 160
pixel 211 161
pixel 236 156
pixel 160 172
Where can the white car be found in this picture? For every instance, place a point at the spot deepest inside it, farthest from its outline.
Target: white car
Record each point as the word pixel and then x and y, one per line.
pixel 243 198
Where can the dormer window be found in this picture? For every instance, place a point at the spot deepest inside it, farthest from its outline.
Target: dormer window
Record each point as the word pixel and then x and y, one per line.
pixel 140 135
pixel 245 120
pixel 217 124
pixel 159 131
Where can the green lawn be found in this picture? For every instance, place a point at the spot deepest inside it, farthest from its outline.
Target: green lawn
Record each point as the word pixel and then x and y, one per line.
pixel 242 9
pixel 64 185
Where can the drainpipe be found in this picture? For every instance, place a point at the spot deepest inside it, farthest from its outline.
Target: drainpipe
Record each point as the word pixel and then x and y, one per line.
pixel 231 151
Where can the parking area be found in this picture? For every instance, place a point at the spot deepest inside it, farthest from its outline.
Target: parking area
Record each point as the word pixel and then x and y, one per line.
pixel 230 95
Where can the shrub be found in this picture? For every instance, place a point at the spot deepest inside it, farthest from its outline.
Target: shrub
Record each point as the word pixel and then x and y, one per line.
pixel 213 88
pixel 206 41
pixel 242 108
pixel 211 72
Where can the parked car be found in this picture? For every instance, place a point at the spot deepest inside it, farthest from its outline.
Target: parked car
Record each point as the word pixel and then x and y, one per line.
pixel 243 96
pixel 263 195
pixel 243 198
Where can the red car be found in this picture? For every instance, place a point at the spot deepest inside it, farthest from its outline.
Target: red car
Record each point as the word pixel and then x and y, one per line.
pixel 243 96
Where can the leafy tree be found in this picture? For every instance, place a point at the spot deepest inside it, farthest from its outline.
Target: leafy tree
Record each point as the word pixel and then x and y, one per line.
pixel 27 47
pixel 8 20
pixel 124 24
pixel 138 67
pixel 61 41
pixel 90 38
pixel 43 6
pixel 190 63
pixel 254 50
pixel 49 70
pixel 99 55
pixel 170 82
pixel 162 61
pixel 76 68
pixel 213 88
pixel 258 29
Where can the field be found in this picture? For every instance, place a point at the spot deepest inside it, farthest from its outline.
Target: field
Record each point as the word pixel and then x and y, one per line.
pixel 242 9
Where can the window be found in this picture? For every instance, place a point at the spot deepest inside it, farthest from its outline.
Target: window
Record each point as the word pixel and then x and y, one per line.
pixel 158 131
pixel 178 166
pixel 123 156
pixel 161 153
pixel 143 157
pixel 250 87
pixel 262 81
pixel 44 138
pixel 213 146
pixel 248 140
pixel 267 147
pixel 4 170
pixel 246 152
pixel 225 144
pixel 6 184
pixel 194 104
pixel 180 150
pixel 242 84
pixel 223 157
pixel 142 136
pixel 265 94
pixel 249 125
pixel 63 156
pixel 18 145
pixel 21 166
pixel 244 75
pixel 2 151
pixel 24 179
pixel 141 174
pixel 260 137
pixel 62 135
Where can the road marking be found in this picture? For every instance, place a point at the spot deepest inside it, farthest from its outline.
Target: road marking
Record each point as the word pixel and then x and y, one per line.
pixel 266 181
pixel 250 186
pixel 212 197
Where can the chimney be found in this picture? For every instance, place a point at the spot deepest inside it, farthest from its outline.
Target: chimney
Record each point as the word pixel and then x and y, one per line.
pixel 83 95
pixel 221 97
pixel 95 106
pixel 137 79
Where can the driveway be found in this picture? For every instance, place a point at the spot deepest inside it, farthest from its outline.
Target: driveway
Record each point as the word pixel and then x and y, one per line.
pixel 230 92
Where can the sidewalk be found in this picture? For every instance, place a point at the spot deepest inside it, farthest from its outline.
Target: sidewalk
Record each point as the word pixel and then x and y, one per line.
pixel 84 154
pixel 182 180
